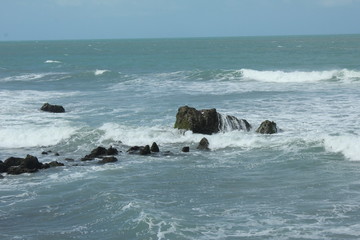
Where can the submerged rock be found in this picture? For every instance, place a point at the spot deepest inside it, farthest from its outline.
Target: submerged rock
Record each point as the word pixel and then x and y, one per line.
pixel 52 108
pixel 185 149
pixel 267 127
pixel 203 144
pixel 207 121
pixel 108 160
pixel 52 164
pixel 100 152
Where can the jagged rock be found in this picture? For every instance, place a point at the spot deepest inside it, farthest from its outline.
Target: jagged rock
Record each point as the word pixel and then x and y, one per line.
pixel 203 121
pixel 267 127
pixel 112 151
pixel 203 144
pixel 108 160
pixel 207 121
pixel 133 149
pixel 100 152
pixel 52 108
pixel 52 164
pixel 145 150
pixel 185 149
pixel 154 147
pixel 31 162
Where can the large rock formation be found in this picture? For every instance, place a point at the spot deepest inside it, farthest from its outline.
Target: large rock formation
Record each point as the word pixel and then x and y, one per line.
pixel 207 121
pixel 52 108
pixel 267 127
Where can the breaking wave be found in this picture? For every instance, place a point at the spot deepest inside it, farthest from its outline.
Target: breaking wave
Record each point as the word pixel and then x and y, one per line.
pixel 344 75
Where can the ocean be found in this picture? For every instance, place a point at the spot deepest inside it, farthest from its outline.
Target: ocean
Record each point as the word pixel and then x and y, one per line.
pixel 300 183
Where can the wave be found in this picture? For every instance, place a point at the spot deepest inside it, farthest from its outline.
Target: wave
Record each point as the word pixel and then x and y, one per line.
pixel 300 76
pixel 52 61
pixel 51 76
pixel 34 136
pixel 100 72
pixel 347 145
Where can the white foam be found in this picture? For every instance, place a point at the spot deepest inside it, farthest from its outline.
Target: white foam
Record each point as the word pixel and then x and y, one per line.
pixel 348 145
pixel 300 76
pixel 33 76
pixel 100 72
pixel 52 61
pixel 33 136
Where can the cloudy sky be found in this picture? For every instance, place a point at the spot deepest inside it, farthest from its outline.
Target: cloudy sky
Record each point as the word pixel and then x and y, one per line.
pixel 109 19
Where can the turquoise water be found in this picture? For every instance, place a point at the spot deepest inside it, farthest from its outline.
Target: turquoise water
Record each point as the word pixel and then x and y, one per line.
pixel 302 183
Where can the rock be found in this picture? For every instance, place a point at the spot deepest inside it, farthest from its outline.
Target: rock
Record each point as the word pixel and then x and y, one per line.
pixel 208 121
pixel 52 164
pixel 112 151
pixel 12 161
pixel 203 121
pixel 154 147
pixel 2 167
pixel 16 170
pixel 69 159
pixel 145 150
pixel 52 108
pixel 267 127
pixel 203 144
pixel 100 152
pixel 1 176
pixel 133 149
pixel 185 149
pixel 31 162
pixel 108 160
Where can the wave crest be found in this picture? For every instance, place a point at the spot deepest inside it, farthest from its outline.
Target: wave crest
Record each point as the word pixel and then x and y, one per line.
pixel 300 76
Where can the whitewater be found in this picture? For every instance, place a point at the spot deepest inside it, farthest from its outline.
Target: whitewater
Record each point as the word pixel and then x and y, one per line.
pixel 300 183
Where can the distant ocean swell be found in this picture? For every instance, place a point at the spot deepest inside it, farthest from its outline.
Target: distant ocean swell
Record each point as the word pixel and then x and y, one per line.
pixel 271 76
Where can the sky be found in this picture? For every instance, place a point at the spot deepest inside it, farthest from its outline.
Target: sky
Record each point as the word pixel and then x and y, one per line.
pixel 119 19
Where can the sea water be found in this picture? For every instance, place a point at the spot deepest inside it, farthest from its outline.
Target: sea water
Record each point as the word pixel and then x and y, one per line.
pixel 301 183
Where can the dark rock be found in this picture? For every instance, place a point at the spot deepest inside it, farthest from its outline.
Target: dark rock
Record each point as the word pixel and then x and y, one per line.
pixel 204 121
pixel 112 151
pixel 145 150
pixel 203 144
pixel 52 108
pixel 16 170
pixel 2 167
pixel 13 161
pixel 154 147
pixel 57 154
pixel 52 164
pixel 69 159
pixel 108 160
pixel 44 153
pixel 185 149
pixel 31 162
pixel 133 149
pixel 208 121
pixel 100 152
pixel 267 127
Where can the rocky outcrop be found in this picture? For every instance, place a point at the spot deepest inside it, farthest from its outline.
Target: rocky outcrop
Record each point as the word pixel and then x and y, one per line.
pixel 100 152
pixel 145 150
pixel 52 108
pixel 203 144
pixel 29 164
pixel 207 121
pixel 267 127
